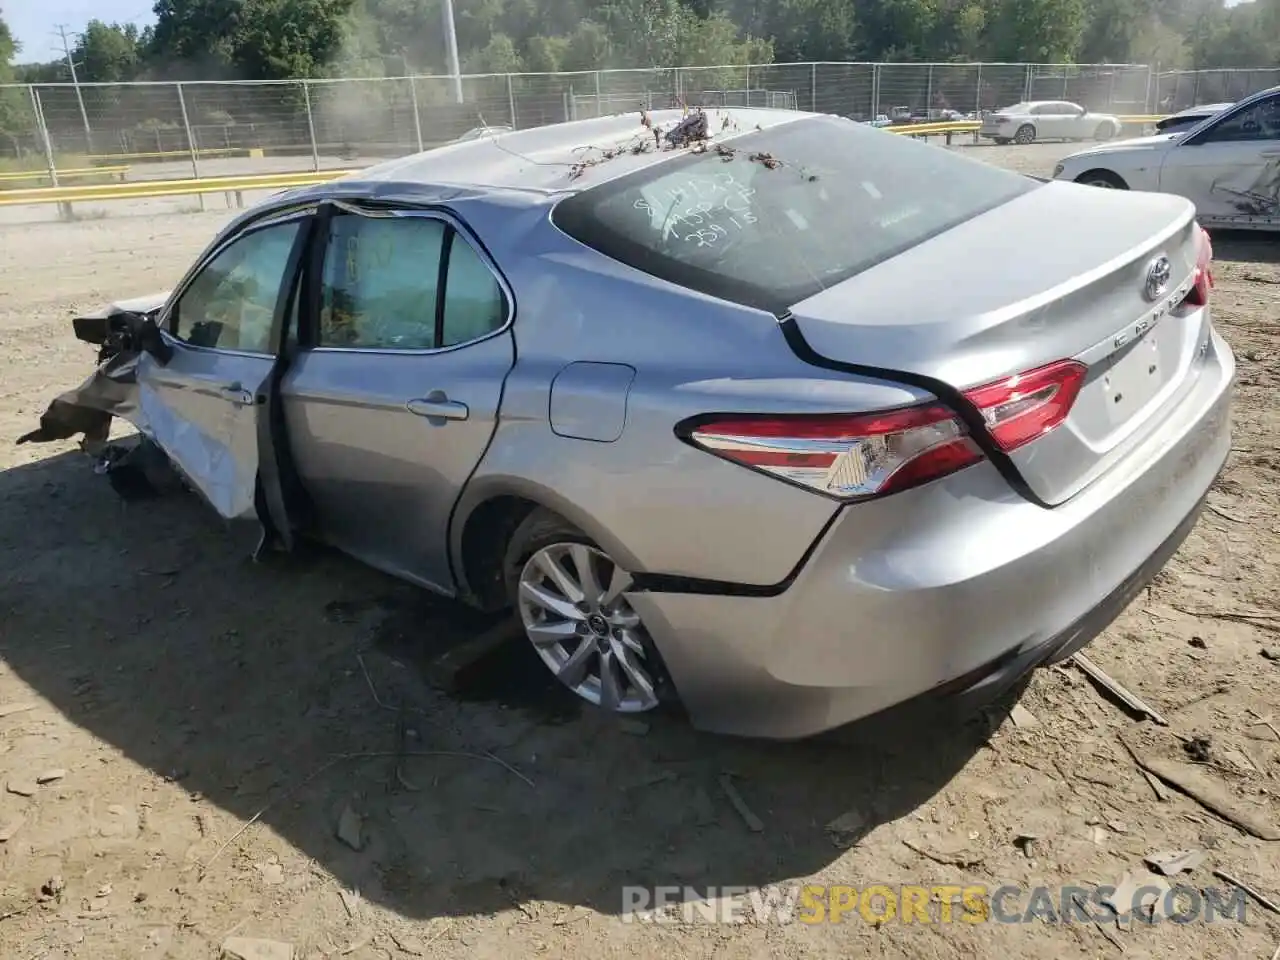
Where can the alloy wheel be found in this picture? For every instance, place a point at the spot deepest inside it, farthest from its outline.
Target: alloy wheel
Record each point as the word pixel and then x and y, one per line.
pixel 574 613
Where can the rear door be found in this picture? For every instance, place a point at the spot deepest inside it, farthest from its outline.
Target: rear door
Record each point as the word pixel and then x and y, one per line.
pixel 393 397
pixel 1231 169
pixel 202 405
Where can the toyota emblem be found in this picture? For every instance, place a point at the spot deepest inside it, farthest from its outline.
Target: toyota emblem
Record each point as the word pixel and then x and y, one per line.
pixel 1158 274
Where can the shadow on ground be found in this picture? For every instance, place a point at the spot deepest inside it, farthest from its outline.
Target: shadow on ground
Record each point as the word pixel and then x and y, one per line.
pixel 147 624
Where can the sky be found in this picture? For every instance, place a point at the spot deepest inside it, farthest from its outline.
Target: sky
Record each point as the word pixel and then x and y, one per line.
pixel 34 22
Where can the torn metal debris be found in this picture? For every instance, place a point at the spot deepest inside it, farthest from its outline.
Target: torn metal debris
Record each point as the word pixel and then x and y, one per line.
pixel 692 129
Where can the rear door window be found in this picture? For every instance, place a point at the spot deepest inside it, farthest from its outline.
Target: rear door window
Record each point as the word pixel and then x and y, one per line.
pixel 773 217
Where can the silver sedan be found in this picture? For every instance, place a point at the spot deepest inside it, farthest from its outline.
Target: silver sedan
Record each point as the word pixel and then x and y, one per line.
pixel 1048 120
pixel 763 412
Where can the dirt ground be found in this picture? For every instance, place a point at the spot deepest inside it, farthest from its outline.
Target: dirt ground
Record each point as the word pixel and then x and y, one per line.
pixel 206 723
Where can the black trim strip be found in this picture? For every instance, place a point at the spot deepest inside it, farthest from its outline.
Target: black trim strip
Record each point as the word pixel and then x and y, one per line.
pixel 442 281
pixel 675 583
pixel 282 499
pixel 312 292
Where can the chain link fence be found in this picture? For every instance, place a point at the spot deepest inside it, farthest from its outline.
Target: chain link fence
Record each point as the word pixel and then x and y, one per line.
pixel 1179 89
pixel 329 123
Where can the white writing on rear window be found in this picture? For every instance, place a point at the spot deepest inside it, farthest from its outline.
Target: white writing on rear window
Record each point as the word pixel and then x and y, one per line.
pixel 699 210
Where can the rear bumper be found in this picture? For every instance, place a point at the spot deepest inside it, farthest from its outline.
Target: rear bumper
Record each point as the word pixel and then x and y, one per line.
pixel 957 583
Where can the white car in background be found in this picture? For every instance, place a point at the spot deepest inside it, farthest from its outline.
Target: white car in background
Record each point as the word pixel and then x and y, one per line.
pixel 1227 165
pixel 1048 120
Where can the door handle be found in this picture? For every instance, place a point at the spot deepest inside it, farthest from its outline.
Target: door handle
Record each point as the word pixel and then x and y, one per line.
pixel 236 394
pixel 437 405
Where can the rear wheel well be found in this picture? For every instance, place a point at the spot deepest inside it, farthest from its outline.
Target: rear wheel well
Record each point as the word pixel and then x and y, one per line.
pixel 484 544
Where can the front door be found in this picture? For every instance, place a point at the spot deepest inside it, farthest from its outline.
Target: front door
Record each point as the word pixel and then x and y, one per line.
pixel 394 395
pixel 1231 170
pixel 202 405
pixel 1052 121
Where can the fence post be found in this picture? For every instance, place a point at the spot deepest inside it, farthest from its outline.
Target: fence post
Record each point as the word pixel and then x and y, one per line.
pixel 977 94
pixel 311 126
pixel 599 102
pixel 64 209
pixel 191 140
pixel 1028 81
pixel 511 101
pixel 875 90
pixel 43 131
pixel 813 88
pixel 417 116
pixel 186 126
pixel 928 94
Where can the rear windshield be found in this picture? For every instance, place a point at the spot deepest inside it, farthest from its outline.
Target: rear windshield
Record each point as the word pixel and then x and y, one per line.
pixel 773 217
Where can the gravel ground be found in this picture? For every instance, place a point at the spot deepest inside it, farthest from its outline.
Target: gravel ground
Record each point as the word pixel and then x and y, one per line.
pixel 188 704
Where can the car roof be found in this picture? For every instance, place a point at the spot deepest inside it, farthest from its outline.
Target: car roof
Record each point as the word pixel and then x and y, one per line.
pixel 1205 108
pixel 563 157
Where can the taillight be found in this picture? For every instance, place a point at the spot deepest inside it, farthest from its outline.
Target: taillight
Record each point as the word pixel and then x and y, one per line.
pixel 1203 276
pixel 851 456
pixel 1029 405
pixel 857 456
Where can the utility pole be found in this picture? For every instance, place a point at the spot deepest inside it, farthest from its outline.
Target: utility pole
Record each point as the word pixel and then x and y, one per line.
pixel 75 82
pixel 451 50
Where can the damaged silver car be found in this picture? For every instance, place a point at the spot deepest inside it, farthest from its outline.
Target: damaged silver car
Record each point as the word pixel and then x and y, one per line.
pixel 763 412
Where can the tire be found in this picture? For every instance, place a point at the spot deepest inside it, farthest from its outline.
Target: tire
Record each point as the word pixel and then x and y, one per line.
pixel 1025 134
pixel 1104 132
pixel 606 636
pixel 1102 178
pixel 1001 141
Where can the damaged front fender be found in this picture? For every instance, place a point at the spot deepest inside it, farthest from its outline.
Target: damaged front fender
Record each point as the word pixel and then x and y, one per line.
pixel 122 332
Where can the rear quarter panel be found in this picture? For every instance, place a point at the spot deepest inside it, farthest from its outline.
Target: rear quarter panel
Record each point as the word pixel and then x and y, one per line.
pixel 652 501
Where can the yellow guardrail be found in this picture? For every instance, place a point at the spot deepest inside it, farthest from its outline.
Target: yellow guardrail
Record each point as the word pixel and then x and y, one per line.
pixel 935 129
pixel 151 189
pixel 201 152
pixel 70 174
pixel 944 127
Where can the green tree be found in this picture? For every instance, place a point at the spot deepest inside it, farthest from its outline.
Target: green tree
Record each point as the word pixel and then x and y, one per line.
pixel 283 39
pixel 16 121
pixel 1037 31
pixel 499 55
pixel 250 39
pixel 588 47
pixel 108 53
pixel 546 54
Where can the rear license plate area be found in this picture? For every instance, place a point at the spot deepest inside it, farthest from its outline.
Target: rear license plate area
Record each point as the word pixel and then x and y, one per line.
pixel 1131 378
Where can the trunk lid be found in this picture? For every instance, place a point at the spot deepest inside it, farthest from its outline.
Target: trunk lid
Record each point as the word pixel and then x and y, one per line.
pixel 1057 273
